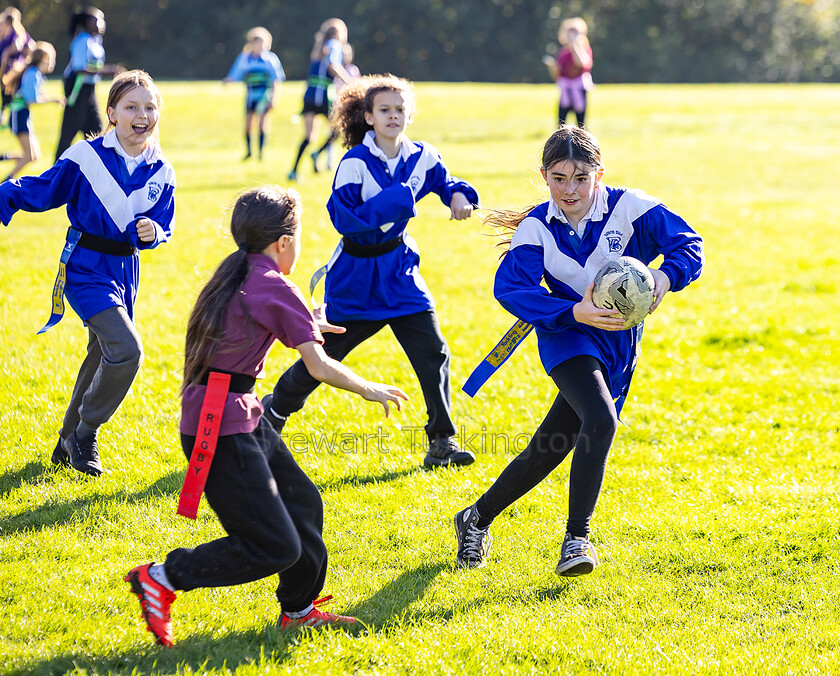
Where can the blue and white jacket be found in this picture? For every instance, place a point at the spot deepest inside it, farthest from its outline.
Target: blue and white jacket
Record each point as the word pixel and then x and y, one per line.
pixel 369 206
pixel 102 199
pixel 545 248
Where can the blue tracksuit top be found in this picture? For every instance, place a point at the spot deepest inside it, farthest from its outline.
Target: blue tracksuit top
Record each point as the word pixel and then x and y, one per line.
pixel 545 248
pixel 104 200
pixel 319 81
pixel 370 206
pixel 86 51
pixel 259 73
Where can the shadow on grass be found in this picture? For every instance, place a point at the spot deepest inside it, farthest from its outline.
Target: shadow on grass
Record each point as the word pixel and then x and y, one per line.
pixel 196 654
pixel 356 481
pixel 390 603
pixel 54 513
pixel 31 472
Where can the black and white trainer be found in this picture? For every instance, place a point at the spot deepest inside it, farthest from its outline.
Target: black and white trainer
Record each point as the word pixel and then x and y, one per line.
pixel 59 457
pixel 577 557
pixel 444 452
pixel 473 542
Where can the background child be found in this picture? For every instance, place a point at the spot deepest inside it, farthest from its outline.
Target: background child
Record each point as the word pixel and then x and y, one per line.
pixel 86 68
pixel 260 69
pixel 119 192
pixel 271 511
pixel 353 72
pixel 373 278
pixel 585 350
pixel 15 46
pixel 25 83
pixel 326 66
pixel 571 69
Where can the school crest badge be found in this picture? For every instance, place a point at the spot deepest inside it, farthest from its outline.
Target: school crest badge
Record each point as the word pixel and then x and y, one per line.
pixel 613 238
pixel 154 191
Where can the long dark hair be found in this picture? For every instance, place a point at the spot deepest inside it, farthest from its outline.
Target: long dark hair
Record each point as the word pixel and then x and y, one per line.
pixel 568 143
pixel 356 98
pixel 259 217
pixel 80 17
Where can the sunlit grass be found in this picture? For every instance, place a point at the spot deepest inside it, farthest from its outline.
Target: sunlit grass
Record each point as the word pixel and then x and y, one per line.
pixel 718 524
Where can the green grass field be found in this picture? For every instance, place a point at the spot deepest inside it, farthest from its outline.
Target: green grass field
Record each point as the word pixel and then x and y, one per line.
pixel 719 524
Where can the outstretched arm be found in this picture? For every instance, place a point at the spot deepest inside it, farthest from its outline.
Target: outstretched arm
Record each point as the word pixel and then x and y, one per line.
pixel 328 370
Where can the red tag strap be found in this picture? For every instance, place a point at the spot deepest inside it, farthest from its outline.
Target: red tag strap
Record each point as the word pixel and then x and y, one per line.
pixel 209 423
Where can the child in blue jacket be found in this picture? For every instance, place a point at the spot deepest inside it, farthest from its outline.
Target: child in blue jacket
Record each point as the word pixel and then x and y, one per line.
pixel 545 279
pixel 373 279
pixel 119 193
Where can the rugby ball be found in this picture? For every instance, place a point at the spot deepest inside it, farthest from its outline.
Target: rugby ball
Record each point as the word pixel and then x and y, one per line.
pixel 625 284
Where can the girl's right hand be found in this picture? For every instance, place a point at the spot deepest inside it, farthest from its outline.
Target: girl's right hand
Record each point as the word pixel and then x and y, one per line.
pixel 586 312
pixel 385 394
pixel 324 326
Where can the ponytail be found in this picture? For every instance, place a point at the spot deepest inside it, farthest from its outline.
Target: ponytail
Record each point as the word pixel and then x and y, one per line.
pixel 504 223
pixel 259 217
pixel 11 80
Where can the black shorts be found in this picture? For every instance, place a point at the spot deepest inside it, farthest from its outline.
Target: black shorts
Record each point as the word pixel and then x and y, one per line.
pixel 319 109
pixel 20 122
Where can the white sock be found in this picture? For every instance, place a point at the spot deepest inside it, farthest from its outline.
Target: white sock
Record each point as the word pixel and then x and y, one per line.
pixel 158 573
pixel 276 414
pixel 300 613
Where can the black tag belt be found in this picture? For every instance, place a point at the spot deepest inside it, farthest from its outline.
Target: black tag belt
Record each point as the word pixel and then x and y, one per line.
pixel 351 248
pixel 106 246
pixel 239 382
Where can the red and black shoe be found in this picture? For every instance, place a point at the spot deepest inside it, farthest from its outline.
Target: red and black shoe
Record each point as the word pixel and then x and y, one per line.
pixel 155 602
pixel 317 618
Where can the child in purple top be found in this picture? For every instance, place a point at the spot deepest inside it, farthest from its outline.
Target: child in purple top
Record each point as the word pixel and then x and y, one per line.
pixel 270 509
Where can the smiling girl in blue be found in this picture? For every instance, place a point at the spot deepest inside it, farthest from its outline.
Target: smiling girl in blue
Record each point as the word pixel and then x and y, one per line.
pixel 373 279
pixel 119 193
pixel 545 279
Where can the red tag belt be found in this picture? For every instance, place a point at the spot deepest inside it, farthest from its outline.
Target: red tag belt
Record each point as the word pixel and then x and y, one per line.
pixel 206 438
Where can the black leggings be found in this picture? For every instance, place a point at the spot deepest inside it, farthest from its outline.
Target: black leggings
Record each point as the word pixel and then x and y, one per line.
pixel 83 116
pixel 582 417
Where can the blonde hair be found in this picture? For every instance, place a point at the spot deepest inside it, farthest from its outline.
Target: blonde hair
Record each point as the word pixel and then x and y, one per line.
pixel 574 23
pixel 258 32
pixel 11 80
pixel 356 98
pixel 124 83
pixel 330 28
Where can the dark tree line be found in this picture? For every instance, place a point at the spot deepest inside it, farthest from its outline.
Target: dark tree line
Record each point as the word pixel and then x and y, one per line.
pixel 474 40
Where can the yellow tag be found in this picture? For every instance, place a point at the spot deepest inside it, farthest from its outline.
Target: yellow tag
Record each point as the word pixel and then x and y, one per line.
pixel 508 343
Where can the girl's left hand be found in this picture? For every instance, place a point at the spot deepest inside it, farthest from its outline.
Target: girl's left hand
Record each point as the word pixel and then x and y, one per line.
pixel 460 206
pixel 321 320
pixel 661 286
pixel 145 230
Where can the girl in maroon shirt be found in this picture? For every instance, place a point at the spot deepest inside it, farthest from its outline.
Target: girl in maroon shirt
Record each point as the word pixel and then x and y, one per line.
pixel 270 509
pixel 571 69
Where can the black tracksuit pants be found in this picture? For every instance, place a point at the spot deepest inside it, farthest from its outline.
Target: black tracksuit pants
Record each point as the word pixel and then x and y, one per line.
pixel 273 516
pixel 418 334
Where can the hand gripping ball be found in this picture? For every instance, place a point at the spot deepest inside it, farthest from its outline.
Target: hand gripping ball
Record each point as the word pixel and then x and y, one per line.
pixel 625 284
